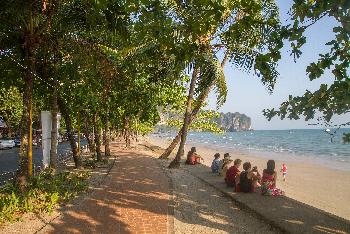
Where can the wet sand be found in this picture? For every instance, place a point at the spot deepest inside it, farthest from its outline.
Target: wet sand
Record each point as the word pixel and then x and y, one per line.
pixel 314 184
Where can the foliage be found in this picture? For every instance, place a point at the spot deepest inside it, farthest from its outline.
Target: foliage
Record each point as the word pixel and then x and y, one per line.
pixel 120 61
pixel 346 137
pixel 11 106
pixel 245 31
pixel 42 194
pixel 203 122
pixel 330 99
pixel 142 128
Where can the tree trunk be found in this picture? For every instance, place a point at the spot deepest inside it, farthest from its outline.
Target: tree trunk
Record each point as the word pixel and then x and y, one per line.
pixel 107 138
pixel 9 131
pixel 53 151
pixel 194 112
pixel 78 123
pixel 126 131
pixel 97 138
pixel 202 97
pixel 172 146
pixel 25 153
pixel 93 149
pixel 73 144
pixel 176 162
pixel 87 135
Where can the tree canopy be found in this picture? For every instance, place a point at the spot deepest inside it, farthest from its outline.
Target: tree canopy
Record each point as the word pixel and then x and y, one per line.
pixel 328 100
pixel 112 64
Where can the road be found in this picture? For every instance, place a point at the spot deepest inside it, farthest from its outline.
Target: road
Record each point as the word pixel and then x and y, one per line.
pixel 9 157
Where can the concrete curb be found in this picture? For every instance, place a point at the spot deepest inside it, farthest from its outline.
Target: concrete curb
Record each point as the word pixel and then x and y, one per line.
pixel 242 205
pixel 285 214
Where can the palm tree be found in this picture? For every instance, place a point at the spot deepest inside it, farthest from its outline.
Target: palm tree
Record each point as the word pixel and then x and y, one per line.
pixel 244 32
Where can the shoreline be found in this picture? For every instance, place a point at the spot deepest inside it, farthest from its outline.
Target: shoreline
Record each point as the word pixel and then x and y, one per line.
pixel 312 184
pixel 301 146
pixel 286 157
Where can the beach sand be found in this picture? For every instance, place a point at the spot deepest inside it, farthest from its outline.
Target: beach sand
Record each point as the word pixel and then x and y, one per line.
pixel 319 186
pixel 200 208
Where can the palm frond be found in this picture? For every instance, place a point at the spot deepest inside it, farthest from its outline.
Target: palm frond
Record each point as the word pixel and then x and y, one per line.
pixel 211 73
pixel 130 52
pixel 220 84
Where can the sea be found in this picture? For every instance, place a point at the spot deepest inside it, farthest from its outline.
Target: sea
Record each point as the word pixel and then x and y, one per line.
pixel 321 146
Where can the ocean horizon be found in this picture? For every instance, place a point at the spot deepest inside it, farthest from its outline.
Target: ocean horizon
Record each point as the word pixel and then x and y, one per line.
pixel 312 145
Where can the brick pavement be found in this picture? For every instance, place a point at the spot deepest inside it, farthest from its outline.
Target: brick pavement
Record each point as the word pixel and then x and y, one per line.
pixel 134 199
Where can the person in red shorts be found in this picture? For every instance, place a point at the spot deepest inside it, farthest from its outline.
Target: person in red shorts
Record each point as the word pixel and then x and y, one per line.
pixel 232 174
pixel 192 157
pixel 284 171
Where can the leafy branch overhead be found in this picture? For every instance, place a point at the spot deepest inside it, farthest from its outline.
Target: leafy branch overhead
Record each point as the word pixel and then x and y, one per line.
pixel 330 99
pixel 203 122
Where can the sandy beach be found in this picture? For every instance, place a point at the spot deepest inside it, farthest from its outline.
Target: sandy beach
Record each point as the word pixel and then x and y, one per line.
pixel 314 184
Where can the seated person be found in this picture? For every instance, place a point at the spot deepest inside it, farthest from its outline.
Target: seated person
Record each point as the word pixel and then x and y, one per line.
pixel 268 182
pixel 225 167
pixel 226 159
pixel 215 163
pixel 192 157
pixel 248 180
pixel 232 174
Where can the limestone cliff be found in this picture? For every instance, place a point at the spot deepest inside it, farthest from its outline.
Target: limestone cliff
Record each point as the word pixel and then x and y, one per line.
pixel 234 122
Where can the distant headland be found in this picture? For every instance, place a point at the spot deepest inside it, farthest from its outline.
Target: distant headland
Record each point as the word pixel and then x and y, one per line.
pixel 234 122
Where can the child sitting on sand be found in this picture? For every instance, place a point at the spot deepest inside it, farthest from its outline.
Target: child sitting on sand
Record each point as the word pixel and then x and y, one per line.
pixel 192 157
pixel 232 174
pixel 224 163
pixel 216 163
pixel 268 182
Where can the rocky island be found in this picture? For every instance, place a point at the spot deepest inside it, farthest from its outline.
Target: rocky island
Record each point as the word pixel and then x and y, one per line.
pixel 234 122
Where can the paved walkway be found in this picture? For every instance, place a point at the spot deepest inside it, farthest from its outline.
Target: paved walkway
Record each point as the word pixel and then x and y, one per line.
pixel 134 199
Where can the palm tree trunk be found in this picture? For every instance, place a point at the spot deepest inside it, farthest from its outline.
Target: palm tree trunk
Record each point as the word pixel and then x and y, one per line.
pixel 53 151
pixel 202 97
pixel 176 162
pixel 73 144
pixel 172 146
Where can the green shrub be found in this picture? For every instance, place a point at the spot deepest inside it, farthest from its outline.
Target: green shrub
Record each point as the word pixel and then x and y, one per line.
pixel 42 193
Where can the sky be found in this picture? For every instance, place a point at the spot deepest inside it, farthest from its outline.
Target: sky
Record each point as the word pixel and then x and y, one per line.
pixel 246 94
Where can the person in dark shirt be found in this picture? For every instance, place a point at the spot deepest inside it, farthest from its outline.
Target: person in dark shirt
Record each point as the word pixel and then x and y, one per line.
pixel 216 163
pixel 248 180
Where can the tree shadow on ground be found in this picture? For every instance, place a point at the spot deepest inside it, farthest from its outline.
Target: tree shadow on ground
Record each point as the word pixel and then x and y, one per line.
pixel 133 199
pixel 205 209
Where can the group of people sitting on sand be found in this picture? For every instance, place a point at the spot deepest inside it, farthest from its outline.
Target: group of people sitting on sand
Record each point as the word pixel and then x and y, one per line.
pixel 248 180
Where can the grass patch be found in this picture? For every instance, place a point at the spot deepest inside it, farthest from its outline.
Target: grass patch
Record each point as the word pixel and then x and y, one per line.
pixel 92 163
pixel 42 194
